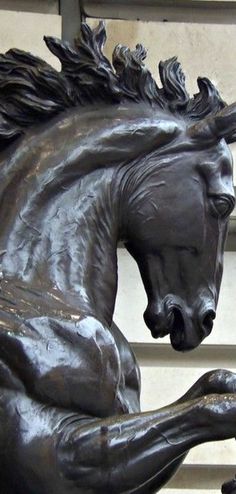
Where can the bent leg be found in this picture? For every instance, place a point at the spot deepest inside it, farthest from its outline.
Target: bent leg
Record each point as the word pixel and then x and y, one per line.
pixel 60 452
pixel 120 454
pixel 217 381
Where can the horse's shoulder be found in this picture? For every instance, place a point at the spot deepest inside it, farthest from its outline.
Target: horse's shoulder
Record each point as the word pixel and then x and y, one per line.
pixel 73 364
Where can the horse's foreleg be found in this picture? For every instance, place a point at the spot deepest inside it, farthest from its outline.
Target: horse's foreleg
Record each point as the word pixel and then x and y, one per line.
pixel 217 381
pixel 121 454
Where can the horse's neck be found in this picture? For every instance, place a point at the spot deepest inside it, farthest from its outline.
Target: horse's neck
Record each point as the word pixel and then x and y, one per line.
pixel 69 244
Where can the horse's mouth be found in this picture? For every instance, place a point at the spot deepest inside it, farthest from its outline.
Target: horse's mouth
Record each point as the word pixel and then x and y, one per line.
pixel 178 341
pixel 157 333
pixel 186 329
pixel 177 331
pixel 175 327
pixel 176 338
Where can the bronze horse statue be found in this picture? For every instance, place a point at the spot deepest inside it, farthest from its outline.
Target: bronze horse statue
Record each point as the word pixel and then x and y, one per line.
pixel 90 156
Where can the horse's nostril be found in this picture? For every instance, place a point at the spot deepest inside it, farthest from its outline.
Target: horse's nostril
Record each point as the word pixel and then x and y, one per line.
pixel 207 322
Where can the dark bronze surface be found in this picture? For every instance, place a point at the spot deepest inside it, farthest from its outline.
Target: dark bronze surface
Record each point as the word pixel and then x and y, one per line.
pixel 229 487
pixel 91 156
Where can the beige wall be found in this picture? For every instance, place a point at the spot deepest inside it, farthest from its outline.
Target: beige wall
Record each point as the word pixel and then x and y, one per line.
pixel 25 30
pixel 205 49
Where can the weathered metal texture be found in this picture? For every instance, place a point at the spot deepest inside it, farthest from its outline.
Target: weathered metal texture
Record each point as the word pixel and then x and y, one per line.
pixel 89 156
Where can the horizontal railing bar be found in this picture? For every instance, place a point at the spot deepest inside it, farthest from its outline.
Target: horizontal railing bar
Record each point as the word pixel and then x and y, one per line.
pixel 201 477
pixel 156 3
pixel 202 11
pixel 163 355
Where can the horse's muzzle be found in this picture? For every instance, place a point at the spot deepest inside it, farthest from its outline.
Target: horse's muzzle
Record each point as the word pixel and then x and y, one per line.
pixel 186 328
pixel 186 333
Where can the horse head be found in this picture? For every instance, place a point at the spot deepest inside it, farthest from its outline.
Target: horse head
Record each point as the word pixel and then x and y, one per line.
pixel 177 204
pixel 172 184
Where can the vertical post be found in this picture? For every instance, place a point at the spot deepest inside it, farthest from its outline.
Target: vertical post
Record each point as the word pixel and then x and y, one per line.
pixel 71 13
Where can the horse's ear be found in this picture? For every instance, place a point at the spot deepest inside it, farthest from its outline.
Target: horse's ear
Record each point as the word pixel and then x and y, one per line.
pixel 216 127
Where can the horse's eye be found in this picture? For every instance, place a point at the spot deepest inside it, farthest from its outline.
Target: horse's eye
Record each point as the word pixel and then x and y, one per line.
pixel 222 205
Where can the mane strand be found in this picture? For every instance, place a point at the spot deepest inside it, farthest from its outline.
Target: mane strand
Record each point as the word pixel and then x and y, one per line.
pixel 32 92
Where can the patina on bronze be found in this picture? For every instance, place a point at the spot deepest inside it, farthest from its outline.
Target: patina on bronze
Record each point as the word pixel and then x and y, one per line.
pixel 90 156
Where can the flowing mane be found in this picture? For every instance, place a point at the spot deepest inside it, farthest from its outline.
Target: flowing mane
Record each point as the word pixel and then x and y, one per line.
pixel 32 92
